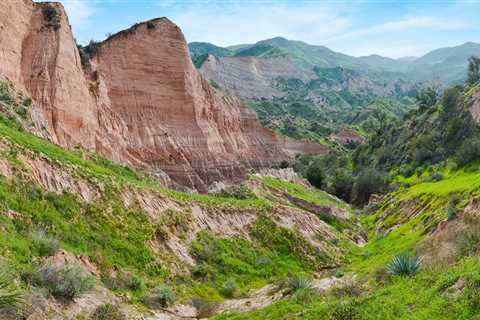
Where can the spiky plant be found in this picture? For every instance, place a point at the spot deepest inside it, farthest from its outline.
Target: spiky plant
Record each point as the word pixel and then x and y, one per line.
pixel 405 265
pixel 296 283
pixel 9 297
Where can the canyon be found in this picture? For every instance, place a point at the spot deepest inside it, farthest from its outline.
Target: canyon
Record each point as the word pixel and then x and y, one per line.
pixel 138 100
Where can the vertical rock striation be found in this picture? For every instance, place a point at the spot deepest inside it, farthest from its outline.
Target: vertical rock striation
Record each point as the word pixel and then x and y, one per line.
pixel 138 100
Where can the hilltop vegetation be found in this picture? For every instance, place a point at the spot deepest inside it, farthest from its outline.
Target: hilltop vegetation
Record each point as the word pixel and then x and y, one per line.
pixel 440 133
pixel 334 89
pixel 422 259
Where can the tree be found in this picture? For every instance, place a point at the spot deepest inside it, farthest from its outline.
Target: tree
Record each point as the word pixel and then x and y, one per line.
pixel 450 101
pixel 426 98
pixel 368 182
pixel 473 70
pixel 315 174
pixel 342 185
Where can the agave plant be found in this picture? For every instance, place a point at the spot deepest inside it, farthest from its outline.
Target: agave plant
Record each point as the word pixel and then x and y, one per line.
pixel 405 265
pixel 296 283
pixel 9 297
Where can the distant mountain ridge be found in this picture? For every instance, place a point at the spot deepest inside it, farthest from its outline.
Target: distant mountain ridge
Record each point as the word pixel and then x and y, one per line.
pixel 445 65
pixel 310 91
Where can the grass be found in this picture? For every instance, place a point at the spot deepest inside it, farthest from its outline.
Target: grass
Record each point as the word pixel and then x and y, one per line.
pixel 420 297
pixel 222 261
pixel 112 235
pixel 92 165
pixel 459 182
pixel 312 195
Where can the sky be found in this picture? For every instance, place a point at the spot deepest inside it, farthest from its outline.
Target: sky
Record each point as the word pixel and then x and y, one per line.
pixel 392 28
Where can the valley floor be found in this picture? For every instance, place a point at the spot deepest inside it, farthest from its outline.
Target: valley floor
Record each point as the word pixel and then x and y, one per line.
pixel 84 238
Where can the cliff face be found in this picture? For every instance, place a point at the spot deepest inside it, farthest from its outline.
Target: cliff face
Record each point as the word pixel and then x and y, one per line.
pixel 140 100
pixel 43 59
pixel 251 77
pixel 254 78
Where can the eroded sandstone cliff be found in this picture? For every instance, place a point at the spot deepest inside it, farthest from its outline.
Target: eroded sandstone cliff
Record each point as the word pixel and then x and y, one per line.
pixel 138 100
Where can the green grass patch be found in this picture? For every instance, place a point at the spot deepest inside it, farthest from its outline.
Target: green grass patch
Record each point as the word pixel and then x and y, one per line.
pixel 312 195
pixel 421 297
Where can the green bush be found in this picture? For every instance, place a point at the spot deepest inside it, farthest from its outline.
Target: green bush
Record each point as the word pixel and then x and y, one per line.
pixel 161 297
pixel 349 288
pixel 150 25
pixel 66 281
pixel 405 265
pixel 469 243
pixel 108 312
pixel 123 281
pixel 137 284
pixel 229 289
pixel 45 244
pixel 451 212
pixel 368 182
pixel 347 310
pixel 469 151
pixel 305 296
pixel 52 17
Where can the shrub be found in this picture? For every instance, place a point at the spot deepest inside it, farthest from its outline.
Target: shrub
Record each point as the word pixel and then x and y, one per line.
pixel 124 281
pixel 451 212
pixel 315 175
pixel 136 284
pixel 469 151
pixel 435 177
pixel 368 182
pixel 108 312
pixel 241 192
pixel 295 283
pixel 150 25
pixel 382 275
pixel 205 309
pixel 469 243
pixel 203 272
pixel 9 297
pixel 229 289
pixel 52 17
pixel 305 296
pixel 161 297
pixel 263 261
pixel 345 311
pixel 405 265
pixel 348 288
pixel 45 244
pixel 66 281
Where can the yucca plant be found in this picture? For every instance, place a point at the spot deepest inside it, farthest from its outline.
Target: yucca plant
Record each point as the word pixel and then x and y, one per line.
pixel 9 297
pixel 296 283
pixel 405 265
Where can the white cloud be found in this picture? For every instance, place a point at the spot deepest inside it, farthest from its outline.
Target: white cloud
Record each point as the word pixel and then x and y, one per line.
pixel 240 24
pixel 408 23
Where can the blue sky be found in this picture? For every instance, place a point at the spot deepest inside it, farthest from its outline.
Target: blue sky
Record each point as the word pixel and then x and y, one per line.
pixel 355 27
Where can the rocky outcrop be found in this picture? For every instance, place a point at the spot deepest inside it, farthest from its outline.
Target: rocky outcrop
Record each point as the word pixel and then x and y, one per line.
pixel 138 100
pixel 251 77
pixel 346 136
pixel 255 78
